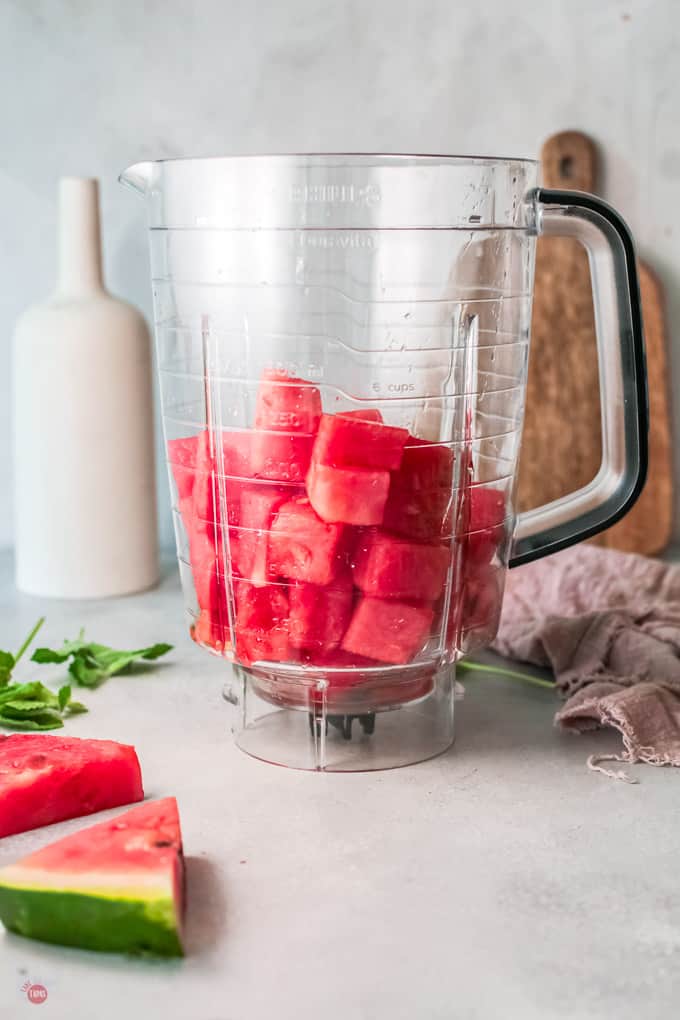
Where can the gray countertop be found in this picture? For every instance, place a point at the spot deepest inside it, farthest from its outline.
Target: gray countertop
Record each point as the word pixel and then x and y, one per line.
pixel 501 880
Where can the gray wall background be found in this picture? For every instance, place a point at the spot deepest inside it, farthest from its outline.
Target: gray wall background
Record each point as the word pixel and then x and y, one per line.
pixel 88 86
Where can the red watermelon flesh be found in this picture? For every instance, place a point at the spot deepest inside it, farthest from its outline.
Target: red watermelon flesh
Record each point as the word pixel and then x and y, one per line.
pixel 287 404
pixel 46 779
pixel 365 414
pixel 261 626
pixel 387 630
pixel 344 441
pixel 482 601
pixel 348 495
pixel 391 567
pixel 486 531
pixel 249 544
pixel 182 459
pixel 237 453
pixel 319 616
pixel 117 886
pixel 421 492
pixel 281 456
pixel 302 547
pixel 203 496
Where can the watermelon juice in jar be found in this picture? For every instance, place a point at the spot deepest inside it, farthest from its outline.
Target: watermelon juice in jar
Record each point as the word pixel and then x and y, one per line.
pixel 342 347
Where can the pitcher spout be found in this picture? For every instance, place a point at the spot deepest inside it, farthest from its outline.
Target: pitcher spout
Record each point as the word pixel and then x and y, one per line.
pixel 137 176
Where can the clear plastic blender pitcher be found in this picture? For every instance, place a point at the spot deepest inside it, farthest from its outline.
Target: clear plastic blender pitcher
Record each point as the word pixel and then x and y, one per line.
pixel 342 346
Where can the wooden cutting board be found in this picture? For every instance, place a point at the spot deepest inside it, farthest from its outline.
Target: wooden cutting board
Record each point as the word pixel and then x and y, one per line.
pixel 561 446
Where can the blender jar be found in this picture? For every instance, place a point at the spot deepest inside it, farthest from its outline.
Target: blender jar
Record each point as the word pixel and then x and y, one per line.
pixel 342 346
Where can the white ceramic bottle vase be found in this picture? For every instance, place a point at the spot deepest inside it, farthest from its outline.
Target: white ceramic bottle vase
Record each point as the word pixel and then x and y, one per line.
pixel 83 427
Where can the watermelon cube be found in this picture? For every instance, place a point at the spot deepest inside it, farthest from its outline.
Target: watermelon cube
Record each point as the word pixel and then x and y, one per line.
pixel 425 466
pixel 182 455
pixel 261 625
pixel 486 523
pixel 482 599
pixel 249 543
pixel 205 486
pixel 303 547
pixel 46 779
pixel 390 567
pixel 319 615
pixel 418 504
pixel 204 569
pixel 281 456
pixel 345 441
pixel 387 630
pixel 348 495
pixel 285 403
pixel 365 414
pixel 237 453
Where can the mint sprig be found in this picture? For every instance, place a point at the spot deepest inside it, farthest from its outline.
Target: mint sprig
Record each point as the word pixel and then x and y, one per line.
pixel 91 663
pixel 32 706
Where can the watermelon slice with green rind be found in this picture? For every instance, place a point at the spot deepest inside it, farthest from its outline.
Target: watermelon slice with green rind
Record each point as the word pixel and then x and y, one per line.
pixel 116 887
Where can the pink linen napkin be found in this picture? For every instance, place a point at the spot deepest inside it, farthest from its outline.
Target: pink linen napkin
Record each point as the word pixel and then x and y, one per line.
pixel 608 623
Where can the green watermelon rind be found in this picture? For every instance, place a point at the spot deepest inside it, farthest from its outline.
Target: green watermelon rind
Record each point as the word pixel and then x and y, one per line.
pixel 142 924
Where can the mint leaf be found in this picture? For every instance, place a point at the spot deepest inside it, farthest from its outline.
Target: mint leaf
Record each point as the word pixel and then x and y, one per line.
pixel 32 706
pixel 45 720
pixel 92 663
pixel 32 691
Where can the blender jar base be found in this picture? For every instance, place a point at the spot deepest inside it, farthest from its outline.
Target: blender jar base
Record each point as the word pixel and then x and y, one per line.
pixel 380 725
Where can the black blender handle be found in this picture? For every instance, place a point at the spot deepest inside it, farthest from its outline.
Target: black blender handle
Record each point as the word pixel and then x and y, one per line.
pixel 623 378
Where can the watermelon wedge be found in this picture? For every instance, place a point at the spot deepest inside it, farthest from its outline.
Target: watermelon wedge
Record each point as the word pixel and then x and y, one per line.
pixel 116 887
pixel 44 779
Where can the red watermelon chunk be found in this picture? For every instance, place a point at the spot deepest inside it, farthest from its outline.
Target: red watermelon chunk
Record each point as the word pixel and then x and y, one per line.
pixel 302 547
pixel 182 460
pixel 203 496
pixel 387 630
pixel 391 567
pixel 426 465
pixel 116 887
pixel 281 456
pixel 237 453
pixel 348 495
pixel 365 414
pixel 421 491
pixel 344 441
pixel 261 626
pixel 45 779
pixel 249 543
pixel 319 616
pixel 287 404
pixel 486 531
